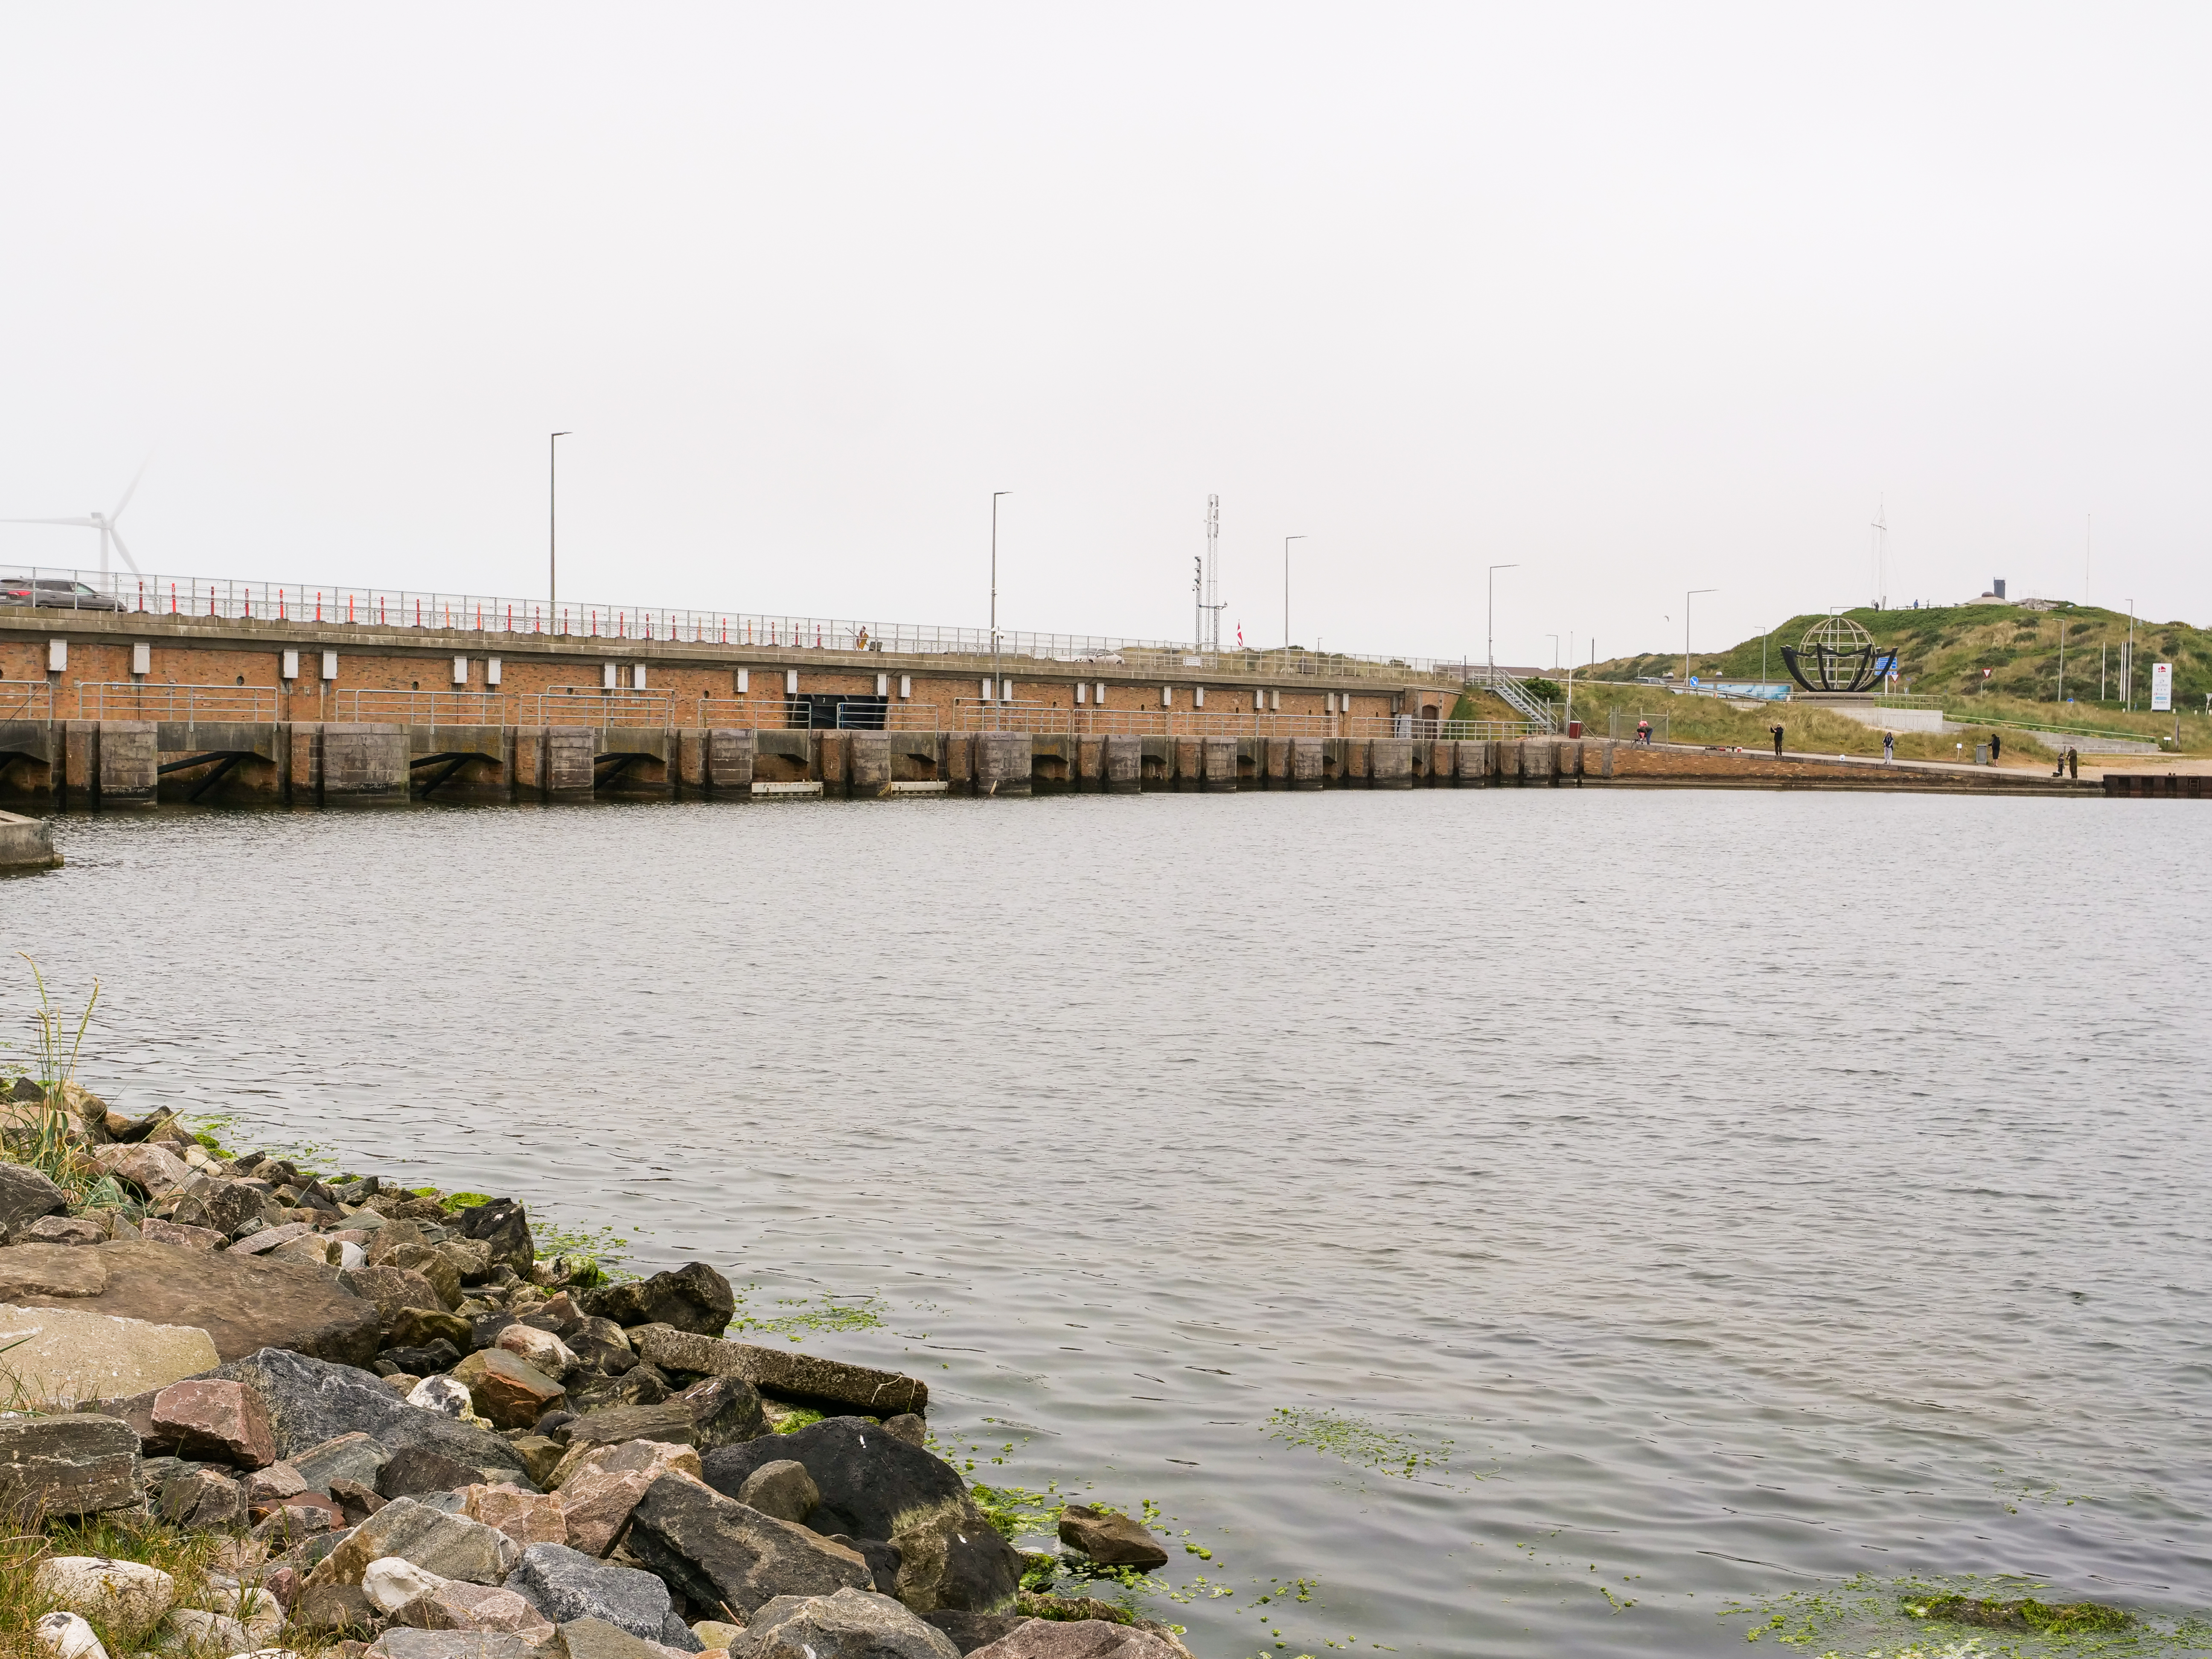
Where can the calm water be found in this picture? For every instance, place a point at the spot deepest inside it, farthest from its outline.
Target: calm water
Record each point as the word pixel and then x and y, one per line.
pixel 1711 1195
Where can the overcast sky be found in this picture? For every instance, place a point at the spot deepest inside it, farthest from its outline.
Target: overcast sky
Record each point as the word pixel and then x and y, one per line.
pixel 1640 298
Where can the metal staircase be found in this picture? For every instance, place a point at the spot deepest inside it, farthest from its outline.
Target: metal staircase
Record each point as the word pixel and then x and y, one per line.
pixel 1516 696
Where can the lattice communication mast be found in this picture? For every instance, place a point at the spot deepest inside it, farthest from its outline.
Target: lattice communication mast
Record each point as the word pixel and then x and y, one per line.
pixel 1213 607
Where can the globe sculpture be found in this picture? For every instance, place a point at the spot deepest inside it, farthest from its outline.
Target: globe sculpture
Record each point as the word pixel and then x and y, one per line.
pixel 1837 655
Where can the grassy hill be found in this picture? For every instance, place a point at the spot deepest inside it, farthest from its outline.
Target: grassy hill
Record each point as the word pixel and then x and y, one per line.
pixel 1942 654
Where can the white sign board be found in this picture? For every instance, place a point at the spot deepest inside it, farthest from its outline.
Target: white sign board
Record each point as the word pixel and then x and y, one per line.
pixel 2161 688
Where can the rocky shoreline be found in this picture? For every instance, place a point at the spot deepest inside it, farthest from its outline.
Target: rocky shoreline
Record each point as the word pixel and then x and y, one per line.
pixel 398 1432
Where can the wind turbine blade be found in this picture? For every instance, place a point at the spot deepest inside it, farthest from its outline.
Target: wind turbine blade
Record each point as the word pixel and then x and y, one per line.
pixel 119 547
pixel 89 524
pixel 133 490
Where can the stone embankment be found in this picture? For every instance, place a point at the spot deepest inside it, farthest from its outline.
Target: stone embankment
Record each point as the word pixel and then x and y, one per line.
pixel 407 1436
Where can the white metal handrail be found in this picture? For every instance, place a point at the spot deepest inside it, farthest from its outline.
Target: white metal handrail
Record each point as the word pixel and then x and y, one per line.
pixel 26 700
pixel 371 705
pixel 158 700
pixel 600 709
pixel 334 604
pixel 1516 696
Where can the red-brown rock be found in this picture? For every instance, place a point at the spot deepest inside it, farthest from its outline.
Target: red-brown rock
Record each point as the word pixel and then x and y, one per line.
pixel 511 1392
pixel 214 1419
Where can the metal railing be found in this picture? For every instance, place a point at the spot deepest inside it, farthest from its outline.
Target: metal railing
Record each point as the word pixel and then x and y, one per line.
pixel 420 708
pixel 1516 696
pixel 649 709
pixel 334 604
pixel 1050 719
pixel 149 700
pixel 26 700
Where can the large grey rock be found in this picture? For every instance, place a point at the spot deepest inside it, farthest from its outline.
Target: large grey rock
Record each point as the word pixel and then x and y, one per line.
pixel 352 1457
pixel 849 1624
pixel 73 1464
pixel 243 1302
pixel 449 1545
pixel 1078 1638
pixel 310 1401
pixel 872 1484
pixel 63 1357
pixel 783 1370
pixel 694 1297
pixel 25 1195
pixel 716 1550
pixel 565 1584
pixel 504 1228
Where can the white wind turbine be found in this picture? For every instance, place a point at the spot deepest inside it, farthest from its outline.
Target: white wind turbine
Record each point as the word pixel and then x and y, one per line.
pixel 103 523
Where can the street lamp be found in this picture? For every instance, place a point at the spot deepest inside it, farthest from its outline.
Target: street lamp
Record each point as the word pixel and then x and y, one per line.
pixel 1490 620
pixel 1287 540
pixel 1687 598
pixel 997 685
pixel 552 523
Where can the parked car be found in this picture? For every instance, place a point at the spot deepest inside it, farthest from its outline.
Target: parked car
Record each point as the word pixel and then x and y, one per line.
pixel 52 593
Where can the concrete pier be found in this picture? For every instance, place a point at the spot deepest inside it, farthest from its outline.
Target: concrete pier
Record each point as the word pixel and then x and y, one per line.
pixel 124 765
pixel 25 844
pixel 110 765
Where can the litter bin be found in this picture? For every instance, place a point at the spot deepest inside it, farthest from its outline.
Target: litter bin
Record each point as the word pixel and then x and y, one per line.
pixel 1981 754
pixel 1574 728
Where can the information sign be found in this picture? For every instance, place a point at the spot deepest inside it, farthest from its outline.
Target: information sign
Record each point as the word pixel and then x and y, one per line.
pixel 2161 688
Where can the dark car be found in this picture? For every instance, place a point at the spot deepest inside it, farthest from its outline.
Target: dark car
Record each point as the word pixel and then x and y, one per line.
pixel 49 592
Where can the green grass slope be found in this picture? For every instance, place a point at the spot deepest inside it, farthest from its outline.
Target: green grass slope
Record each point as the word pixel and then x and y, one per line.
pixel 1994 663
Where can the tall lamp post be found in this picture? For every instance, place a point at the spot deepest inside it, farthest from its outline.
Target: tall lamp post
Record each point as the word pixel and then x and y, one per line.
pixel 553 524
pixel 1287 540
pixel 1687 598
pixel 1490 620
pixel 997 684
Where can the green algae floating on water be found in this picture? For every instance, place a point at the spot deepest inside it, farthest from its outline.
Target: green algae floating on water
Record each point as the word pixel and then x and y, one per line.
pixel 1358 1440
pixel 2003 1618
pixel 2045 1618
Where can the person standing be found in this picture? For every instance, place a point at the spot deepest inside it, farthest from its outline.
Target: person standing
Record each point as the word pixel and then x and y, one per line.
pixel 1777 730
pixel 1888 748
pixel 1996 746
pixel 2073 764
pixel 1643 734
